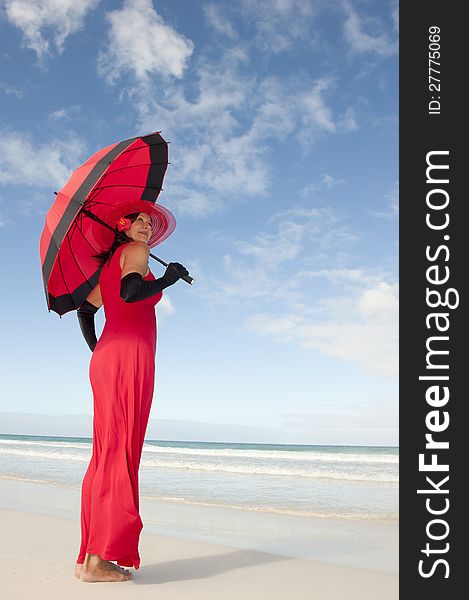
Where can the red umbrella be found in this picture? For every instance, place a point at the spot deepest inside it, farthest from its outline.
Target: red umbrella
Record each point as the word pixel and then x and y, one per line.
pixel 81 221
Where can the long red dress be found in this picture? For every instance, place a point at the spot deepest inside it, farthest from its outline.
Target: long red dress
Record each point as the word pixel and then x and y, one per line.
pixel 122 375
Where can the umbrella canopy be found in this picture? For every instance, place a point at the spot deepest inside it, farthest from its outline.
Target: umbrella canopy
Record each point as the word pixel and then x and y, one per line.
pixel 77 225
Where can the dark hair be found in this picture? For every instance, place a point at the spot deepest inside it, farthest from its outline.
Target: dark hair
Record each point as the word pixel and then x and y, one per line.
pixel 120 238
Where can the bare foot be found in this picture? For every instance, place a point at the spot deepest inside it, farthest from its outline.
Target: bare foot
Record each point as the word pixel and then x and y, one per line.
pixel 79 566
pixel 96 569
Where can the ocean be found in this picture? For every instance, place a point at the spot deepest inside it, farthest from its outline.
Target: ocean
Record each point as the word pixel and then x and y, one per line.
pixel 343 482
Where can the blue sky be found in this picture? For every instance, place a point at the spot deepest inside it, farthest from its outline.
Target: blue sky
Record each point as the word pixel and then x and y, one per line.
pixel 282 122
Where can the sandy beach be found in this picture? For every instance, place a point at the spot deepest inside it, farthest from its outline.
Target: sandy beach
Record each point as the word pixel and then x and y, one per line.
pixel 39 552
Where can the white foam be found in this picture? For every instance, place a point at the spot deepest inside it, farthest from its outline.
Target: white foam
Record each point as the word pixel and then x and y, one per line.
pixel 317 465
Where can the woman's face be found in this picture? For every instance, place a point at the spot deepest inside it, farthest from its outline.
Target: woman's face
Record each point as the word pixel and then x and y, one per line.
pixel 140 230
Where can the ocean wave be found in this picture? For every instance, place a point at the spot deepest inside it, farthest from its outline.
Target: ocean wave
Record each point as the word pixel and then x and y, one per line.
pixel 258 469
pixel 310 455
pixel 294 456
pixel 53 454
pixel 370 516
pixel 372 474
pixel 388 516
pixel 28 479
pixel 77 445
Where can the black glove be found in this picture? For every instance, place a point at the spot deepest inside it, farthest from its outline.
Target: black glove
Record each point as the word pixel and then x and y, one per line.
pixel 174 271
pixel 134 287
pixel 85 314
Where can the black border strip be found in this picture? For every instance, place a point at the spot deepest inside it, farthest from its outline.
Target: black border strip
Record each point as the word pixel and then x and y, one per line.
pixel 433 166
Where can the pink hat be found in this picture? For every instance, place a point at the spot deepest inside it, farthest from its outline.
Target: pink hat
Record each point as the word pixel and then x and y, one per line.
pixel 163 222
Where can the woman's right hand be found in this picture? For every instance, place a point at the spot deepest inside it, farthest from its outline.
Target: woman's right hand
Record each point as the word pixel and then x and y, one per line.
pixel 174 272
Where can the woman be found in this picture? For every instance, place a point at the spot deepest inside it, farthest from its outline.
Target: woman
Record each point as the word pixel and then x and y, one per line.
pixel 122 370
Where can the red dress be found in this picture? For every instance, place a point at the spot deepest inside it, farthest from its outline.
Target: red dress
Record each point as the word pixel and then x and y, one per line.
pixel 122 375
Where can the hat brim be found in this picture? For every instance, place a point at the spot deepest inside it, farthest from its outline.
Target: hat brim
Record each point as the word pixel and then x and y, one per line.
pixel 163 222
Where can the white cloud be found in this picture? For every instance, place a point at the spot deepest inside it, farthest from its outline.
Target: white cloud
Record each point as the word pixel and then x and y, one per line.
pixel 217 20
pixel 395 15
pixel 222 128
pixel 381 299
pixel 64 114
pixel 361 328
pixel 287 106
pixel 274 265
pixel 4 220
pixel 245 284
pixel 349 312
pixel 220 159
pixel 141 42
pixel 326 226
pixel 271 249
pixel 25 163
pixel 309 190
pixel 331 182
pixel 223 137
pixel 317 114
pixel 322 217
pixel 394 203
pixel 165 308
pixel 220 92
pixel 348 120
pixel 391 200
pixel 297 228
pixel 340 275
pixel 47 22
pixel 9 89
pixel 378 42
pixel 279 23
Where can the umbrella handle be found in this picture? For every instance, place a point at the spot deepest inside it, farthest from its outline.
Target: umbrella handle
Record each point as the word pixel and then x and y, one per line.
pixel 187 278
